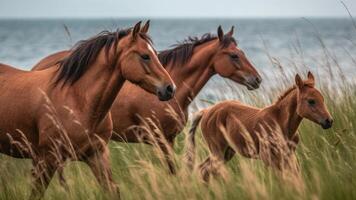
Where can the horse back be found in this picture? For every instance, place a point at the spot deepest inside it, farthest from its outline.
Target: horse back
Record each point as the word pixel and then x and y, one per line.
pixel 7 69
pixel 20 101
pixel 217 115
pixel 50 60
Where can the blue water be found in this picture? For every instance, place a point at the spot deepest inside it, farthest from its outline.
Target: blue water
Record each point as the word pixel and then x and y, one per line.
pixel 293 42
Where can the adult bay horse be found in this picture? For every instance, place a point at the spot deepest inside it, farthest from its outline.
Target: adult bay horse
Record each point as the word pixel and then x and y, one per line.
pixel 190 64
pixel 269 133
pixel 62 112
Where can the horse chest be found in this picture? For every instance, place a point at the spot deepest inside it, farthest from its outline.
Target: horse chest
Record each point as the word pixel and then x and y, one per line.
pixel 170 117
pixel 173 122
pixel 73 130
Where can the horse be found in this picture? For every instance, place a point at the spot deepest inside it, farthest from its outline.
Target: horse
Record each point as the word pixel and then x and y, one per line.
pixel 191 64
pixel 269 134
pixel 62 112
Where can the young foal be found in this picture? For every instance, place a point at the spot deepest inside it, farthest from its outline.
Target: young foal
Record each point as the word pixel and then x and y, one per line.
pixel 269 134
pixel 62 112
pixel 191 64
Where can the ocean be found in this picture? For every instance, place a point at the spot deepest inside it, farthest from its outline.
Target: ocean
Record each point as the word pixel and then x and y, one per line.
pixel 269 43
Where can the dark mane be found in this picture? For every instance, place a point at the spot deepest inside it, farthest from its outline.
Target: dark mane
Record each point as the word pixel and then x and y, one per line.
pixel 287 92
pixel 183 51
pixel 85 52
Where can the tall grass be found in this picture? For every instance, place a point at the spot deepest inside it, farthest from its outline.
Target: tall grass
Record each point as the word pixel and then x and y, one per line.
pixel 327 157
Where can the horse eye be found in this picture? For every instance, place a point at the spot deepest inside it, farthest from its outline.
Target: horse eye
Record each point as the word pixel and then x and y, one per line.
pixel 234 56
pixel 311 102
pixel 145 57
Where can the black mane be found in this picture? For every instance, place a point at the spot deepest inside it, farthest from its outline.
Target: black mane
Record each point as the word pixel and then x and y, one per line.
pixel 85 52
pixel 183 51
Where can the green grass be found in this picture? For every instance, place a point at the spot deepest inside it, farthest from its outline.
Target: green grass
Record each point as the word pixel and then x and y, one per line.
pixel 327 159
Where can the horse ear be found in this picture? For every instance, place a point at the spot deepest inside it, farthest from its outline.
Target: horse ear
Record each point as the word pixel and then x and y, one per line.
pixel 220 33
pixel 146 27
pixel 311 78
pixel 299 81
pixel 136 30
pixel 231 32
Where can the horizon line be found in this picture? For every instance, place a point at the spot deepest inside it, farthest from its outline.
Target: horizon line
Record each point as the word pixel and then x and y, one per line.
pixel 169 17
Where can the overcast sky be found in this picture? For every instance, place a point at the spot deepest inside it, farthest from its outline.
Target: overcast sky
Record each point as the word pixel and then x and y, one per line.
pixel 173 8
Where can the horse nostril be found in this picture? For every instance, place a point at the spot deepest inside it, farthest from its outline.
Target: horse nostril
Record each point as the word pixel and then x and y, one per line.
pixel 170 89
pixel 166 92
pixel 258 79
pixel 329 121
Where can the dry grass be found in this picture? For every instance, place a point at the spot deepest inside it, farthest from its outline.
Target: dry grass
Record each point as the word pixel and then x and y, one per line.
pixel 327 157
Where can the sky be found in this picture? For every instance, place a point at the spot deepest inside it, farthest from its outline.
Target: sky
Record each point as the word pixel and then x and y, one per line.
pixel 173 8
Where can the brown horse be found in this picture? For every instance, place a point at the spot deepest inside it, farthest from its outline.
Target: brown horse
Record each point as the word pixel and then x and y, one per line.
pixel 62 113
pixel 269 134
pixel 191 64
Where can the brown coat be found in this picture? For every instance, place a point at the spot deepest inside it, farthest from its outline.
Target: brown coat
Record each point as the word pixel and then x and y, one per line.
pixel 191 65
pixel 269 133
pixel 62 112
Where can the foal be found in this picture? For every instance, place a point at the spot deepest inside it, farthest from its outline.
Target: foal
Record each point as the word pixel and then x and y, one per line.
pixel 191 64
pixel 62 112
pixel 269 134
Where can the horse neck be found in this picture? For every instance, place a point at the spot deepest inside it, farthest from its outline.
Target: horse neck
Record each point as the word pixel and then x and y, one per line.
pixel 191 77
pixel 285 112
pixel 98 88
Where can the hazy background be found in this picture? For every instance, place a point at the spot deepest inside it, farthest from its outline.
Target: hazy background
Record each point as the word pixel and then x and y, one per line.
pixel 277 36
pixel 306 34
pixel 172 8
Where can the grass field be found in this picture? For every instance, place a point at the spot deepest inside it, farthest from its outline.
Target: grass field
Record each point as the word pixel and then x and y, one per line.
pixel 327 159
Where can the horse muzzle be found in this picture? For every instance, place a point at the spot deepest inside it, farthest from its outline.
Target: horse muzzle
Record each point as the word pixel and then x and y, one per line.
pixel 327 123
pixel 166 92
pixel 253 83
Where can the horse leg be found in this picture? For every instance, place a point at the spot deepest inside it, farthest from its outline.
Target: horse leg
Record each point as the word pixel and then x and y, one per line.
pixel 42 172
pixel 167 148
pixel 204 169
pixel 165 145
pixel 212 163
pixel 99 163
